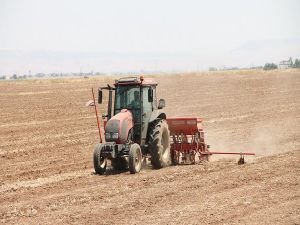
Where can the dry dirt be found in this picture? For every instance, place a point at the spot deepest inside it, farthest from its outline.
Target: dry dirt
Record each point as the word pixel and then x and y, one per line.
pixel 47 137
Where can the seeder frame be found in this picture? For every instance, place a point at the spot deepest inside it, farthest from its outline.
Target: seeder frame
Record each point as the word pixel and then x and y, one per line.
pixel 188 140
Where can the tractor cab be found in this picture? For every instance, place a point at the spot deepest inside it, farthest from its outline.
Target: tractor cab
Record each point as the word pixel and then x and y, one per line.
pixel 137 96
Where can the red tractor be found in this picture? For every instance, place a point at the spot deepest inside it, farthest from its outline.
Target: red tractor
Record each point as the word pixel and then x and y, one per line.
pixel 137 127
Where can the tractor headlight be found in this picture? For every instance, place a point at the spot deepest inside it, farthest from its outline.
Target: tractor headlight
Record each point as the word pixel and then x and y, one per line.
pixel 114 136
pixel 107 136
pixel 111 136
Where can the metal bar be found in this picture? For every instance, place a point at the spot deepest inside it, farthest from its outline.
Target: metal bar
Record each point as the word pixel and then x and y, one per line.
pixel 109 109
pixel 97 116
pixel 227 153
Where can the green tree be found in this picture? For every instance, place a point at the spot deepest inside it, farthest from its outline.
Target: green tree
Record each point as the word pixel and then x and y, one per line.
pixel 291 61
pixel 270 66
pixel 297 63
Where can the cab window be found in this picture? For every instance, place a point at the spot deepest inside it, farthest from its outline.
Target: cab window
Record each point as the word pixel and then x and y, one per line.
pixel 147 106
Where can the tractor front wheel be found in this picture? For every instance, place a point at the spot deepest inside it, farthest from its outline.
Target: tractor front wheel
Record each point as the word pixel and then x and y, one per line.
pixel 135 158
pixel 99 161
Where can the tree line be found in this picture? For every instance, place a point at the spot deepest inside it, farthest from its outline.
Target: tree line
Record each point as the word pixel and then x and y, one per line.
pixel 272 66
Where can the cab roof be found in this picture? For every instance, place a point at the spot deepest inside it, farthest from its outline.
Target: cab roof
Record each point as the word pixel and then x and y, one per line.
pixel 135 81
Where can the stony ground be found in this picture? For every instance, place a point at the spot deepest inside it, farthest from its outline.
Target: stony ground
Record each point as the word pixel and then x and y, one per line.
pixel 47 137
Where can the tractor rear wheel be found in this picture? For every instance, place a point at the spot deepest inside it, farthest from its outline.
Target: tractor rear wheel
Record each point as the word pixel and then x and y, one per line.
pixel 159 144
pixel 99 161
pixel 135 158
pixel 119 163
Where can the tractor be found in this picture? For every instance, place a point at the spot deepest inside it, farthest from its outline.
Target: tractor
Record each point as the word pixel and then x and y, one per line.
pixel 135 127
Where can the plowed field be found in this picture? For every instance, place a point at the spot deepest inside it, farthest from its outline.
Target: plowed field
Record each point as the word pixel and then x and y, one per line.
pixel 47 138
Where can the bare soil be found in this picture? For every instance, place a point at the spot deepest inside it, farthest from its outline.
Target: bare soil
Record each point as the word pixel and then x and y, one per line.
pixel 47 138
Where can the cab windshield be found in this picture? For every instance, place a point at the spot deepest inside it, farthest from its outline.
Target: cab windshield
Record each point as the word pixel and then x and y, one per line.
pixel 127 97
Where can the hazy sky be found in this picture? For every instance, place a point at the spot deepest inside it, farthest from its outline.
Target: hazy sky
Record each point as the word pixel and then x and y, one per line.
pixel 166 26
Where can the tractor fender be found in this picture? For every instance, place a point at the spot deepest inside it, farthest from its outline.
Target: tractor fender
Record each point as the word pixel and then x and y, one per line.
pixel 157 114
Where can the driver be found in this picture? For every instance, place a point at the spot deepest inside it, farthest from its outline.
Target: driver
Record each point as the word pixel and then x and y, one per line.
pixel 135 103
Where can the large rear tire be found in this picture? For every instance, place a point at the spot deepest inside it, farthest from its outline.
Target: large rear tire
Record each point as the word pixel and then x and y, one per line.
pixel 159 144
pixel 119 163
pixel 135 158
pixel 99 161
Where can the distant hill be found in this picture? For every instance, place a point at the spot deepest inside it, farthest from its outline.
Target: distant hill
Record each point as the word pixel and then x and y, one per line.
pixel 260 52
pixel 252 53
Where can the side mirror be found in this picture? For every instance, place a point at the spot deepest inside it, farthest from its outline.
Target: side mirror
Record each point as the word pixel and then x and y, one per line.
pixel 161 103
pixel 150 95
pixel 99 96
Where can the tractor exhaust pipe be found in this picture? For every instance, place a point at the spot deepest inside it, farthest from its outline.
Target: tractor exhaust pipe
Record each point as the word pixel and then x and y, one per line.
pixel 109 107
